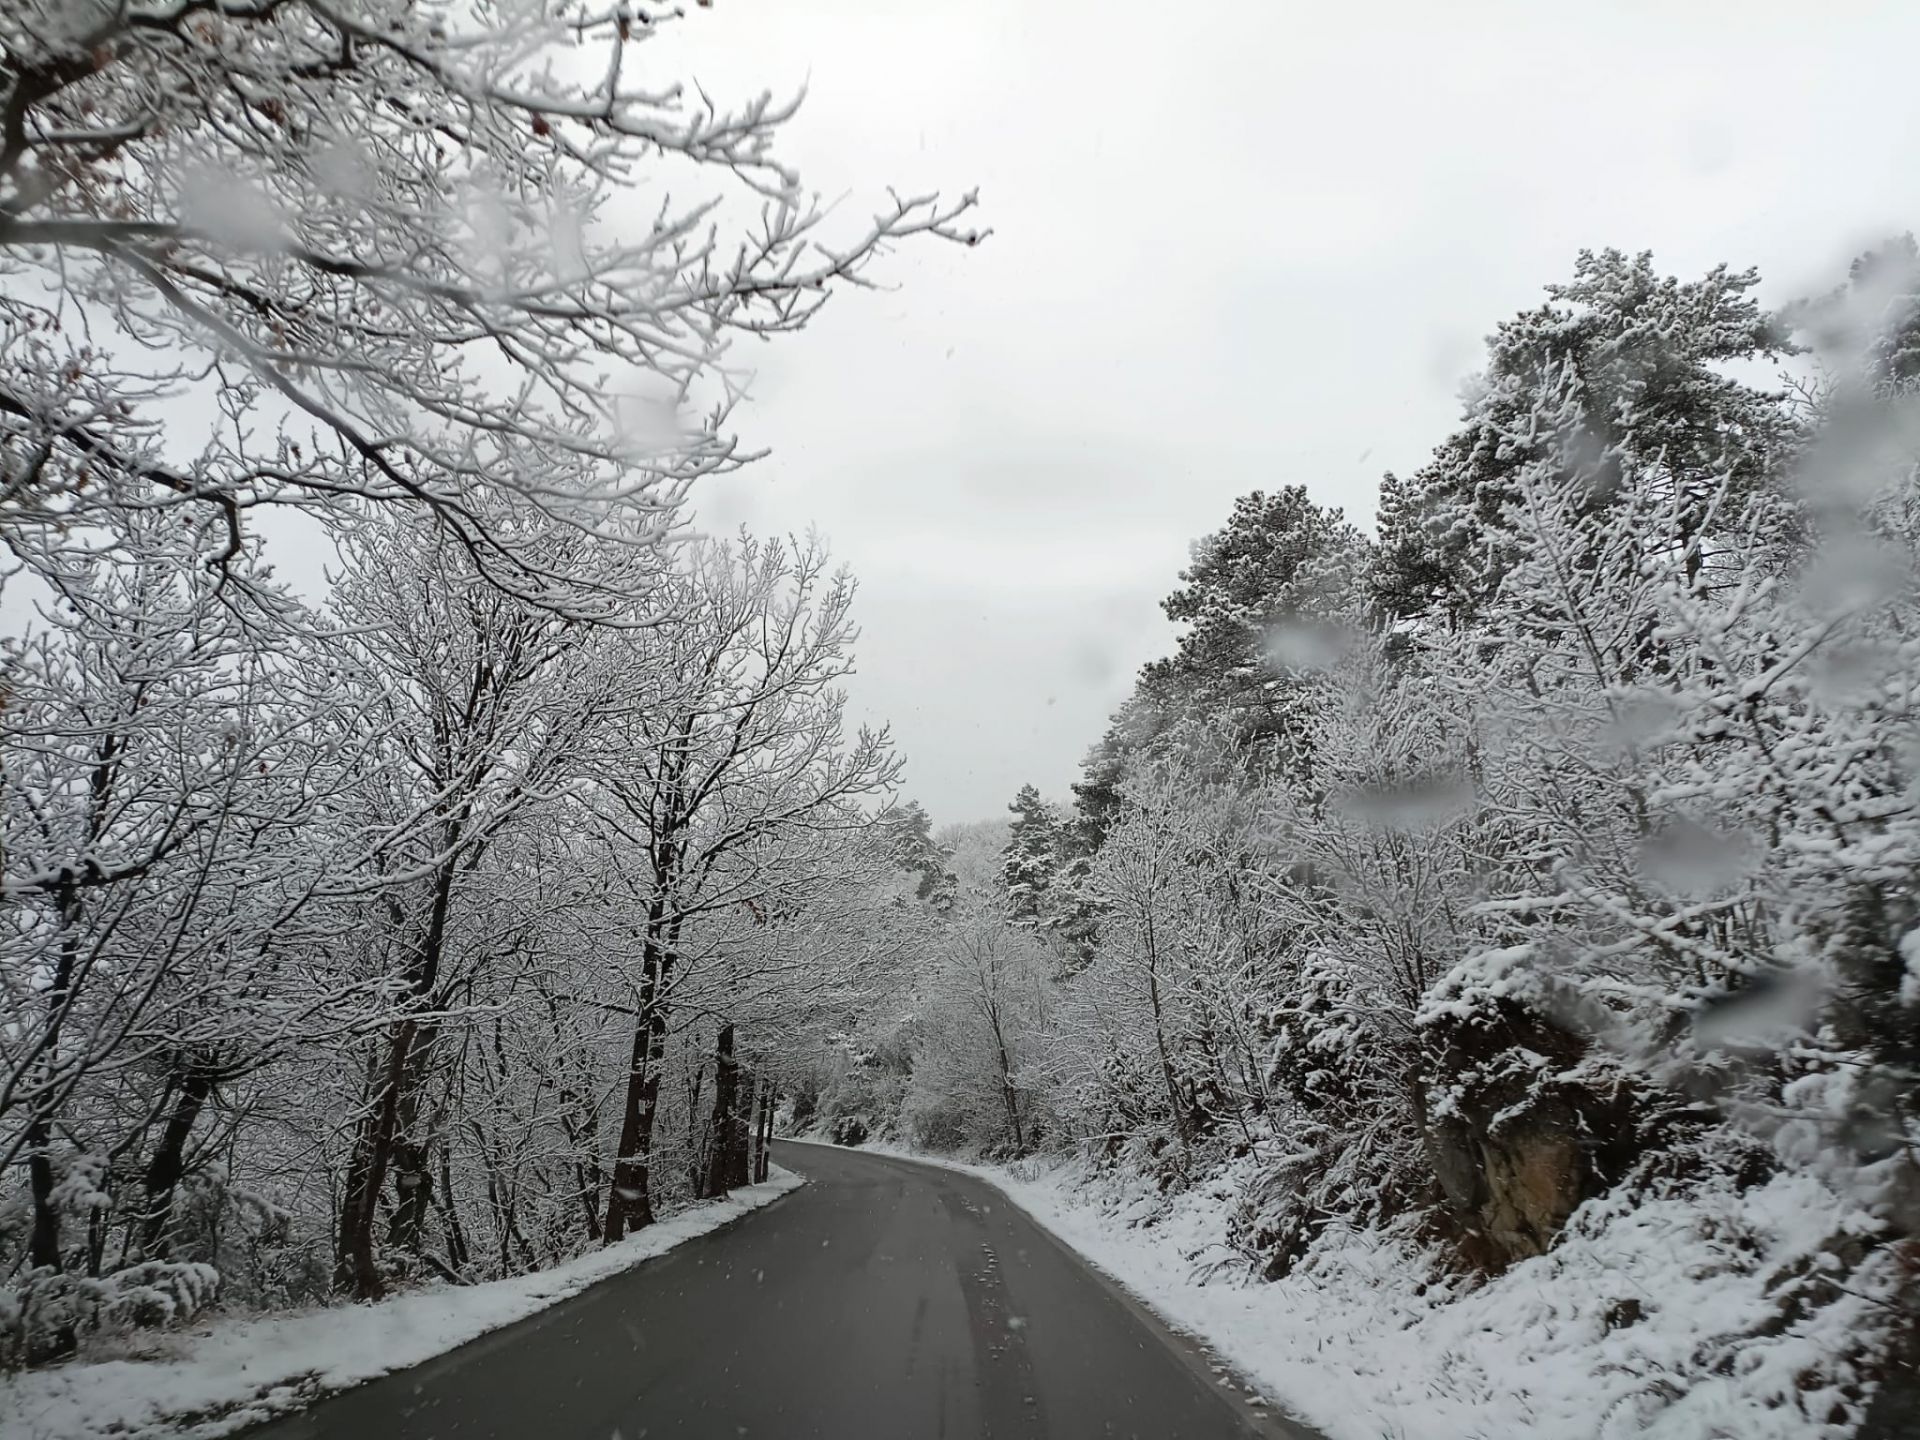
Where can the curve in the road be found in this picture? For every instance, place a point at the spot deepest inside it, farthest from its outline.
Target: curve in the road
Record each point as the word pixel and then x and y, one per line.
pixel 885 1299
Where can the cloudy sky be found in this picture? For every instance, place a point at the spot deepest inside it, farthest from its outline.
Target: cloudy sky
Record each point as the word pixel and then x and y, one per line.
pixel 1239 243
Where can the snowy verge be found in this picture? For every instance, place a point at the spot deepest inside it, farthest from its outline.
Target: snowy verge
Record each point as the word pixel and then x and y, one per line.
pixel 234 1373
pixel 1668 1317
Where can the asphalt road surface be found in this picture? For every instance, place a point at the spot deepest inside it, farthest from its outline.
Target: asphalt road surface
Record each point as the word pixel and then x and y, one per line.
pixel 884 1299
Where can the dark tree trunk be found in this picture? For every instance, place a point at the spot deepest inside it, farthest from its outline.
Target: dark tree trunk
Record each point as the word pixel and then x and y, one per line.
pixel 99 1223
pixel 1011 1098
pixel 43 1248
pixel 629 1201
pixel 43 1241
pixel 413 1150
pixel 43 1245
pixel 582 1130
pixel 629 1197
pixel 739 1148
pixel 1181 1114
pixel 356 1268
pixel 726 1160
pixel 356 1271
pixel 169 1163
pixel 457 1251
pixel 757 1092
pixel 764 1159
pixel 587 1177
pixel 697 1152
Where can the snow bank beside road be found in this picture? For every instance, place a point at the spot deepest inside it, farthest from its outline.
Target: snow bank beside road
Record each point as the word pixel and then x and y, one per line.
pixel 234 1373
pixel 1669 1318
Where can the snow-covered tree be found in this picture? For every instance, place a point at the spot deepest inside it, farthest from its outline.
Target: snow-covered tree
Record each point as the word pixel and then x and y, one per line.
pixel 717 779
pixel 151 866
pixel 483 700
pixel 1032 855
pixel 1619 382
pixel 911 829
pixel 393 250
pixel 980 1009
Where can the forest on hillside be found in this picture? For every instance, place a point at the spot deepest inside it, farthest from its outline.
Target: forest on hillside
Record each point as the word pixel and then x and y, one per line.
pixel 1547 854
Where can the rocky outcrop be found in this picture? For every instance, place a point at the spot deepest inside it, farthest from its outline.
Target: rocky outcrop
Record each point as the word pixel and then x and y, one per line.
pixel 1520 1119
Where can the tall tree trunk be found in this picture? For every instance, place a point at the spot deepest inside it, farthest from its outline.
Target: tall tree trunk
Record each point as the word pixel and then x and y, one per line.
pixel 99 1223
pixel 629 1197
pixel 43 1246
pixel 772 1096
pixel 1182 1120
pixel 697 1153
pixel 194 1086
pixel 457 1250
pixel 757 1091
pixel 356 1272
pixel 43 1243
pixel 587 1177
pixel 582 1130
pixel 629 1200
pixel 413 1149
pixel 739 1151
pixel 1009 1095
pixel 727 1129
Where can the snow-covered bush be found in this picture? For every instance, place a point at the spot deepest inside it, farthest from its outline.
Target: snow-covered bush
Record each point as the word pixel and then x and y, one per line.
pixel 46 1313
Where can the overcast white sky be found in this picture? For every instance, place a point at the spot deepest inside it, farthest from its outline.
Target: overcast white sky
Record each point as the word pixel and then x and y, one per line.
pixel 1239 243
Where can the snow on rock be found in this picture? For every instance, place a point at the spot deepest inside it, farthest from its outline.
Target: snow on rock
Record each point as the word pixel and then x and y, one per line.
pixel 1679 1317
pixel 237 1372
pixel 1472 987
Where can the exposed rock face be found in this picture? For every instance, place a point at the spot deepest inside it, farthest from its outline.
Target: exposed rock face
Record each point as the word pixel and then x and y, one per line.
pixel 1520 1121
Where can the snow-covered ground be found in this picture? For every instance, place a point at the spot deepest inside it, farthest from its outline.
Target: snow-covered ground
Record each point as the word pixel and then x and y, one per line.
pixel 1643 1321
pixel 221 1377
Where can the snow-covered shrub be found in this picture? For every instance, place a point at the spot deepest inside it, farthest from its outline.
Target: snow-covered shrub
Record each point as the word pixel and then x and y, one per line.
pixel 46 1314
pixel 848 1130
pixel 157 1292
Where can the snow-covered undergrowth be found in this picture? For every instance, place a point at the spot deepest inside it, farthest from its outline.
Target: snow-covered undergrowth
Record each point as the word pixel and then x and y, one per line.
pixel 221 1377
pixel 1669 1317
